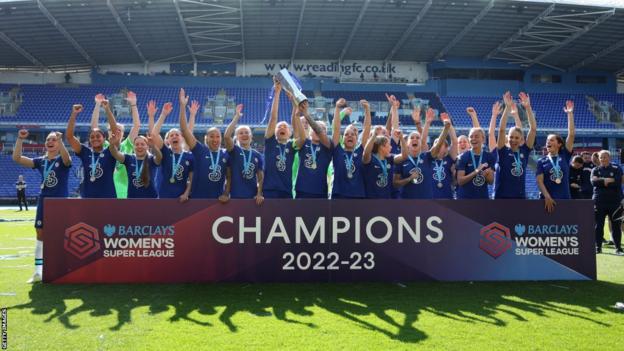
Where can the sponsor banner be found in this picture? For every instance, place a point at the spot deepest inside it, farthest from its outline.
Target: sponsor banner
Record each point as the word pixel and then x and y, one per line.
pixel 162 241
pixel 346 69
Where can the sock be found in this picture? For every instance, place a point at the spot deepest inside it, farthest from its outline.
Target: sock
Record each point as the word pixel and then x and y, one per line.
pixel 39 257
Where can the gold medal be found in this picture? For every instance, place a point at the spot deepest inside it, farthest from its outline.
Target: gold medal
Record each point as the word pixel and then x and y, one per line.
pixel 171 180
pixel 558 180
pixel 313 166
pixel 440 185
pixel 92 179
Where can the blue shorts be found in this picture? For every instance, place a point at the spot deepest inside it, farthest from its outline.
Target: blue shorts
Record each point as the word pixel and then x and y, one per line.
pixel 39 216
pixel 277 194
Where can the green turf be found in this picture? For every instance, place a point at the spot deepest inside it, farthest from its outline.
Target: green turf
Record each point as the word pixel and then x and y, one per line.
pixel 440 316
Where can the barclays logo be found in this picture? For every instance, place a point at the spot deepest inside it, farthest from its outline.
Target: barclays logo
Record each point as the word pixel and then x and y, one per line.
pixel 520 229
pixel 109 230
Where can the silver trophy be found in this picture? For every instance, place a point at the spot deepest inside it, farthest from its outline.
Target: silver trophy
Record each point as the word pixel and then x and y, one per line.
pixel 290 86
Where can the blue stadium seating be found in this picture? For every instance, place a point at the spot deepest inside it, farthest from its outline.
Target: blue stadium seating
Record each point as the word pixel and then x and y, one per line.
pixel 51 103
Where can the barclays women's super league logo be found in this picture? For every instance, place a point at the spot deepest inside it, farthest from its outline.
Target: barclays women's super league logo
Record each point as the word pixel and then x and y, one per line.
pixel 109 230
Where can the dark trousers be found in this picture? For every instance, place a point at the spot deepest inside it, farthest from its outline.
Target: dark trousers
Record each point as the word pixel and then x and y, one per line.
pixel 613 211
pixel 21 198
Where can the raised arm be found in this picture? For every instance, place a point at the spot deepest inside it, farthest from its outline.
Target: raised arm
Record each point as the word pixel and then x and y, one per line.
pixel 136 122
pixel 277 90
pixel 17 150
pixel 492 127
pixel 502 139
pixel 151 113
pixel 473 117
pixel 393 117
pixel 526 102
pixel 112 122
pixel 569 109
pixel 435 149
pixel 298 130
pixel 404 149
pixel 340 104
pixel 367 121
pixel 315 126
pixel 416 118
pixel 63 150
pixel 516 116
pixel 368 150
pixel 167 108
pixel 187 133
pixel 193 113
pixel 155 150
pixel 71 138
pixel 430 115
pixel 453 149
pixel 95 116
pixel 229 131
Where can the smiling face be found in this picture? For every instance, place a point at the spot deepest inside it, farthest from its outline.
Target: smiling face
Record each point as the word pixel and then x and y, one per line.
pixel 243 135
pixel 52 143
pixel 553 144
pixel 96 139
pixel 515 138
pixel 174 139
pixel 476 137
pixel 140 146
pixel 282 131
pixel 414 143
pixel 463 143
pixel 213 138
pixel 350 137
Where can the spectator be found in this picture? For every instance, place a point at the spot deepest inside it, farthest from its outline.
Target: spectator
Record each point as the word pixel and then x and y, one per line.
pixel 607 181
pixel 576 173
pixel 20 185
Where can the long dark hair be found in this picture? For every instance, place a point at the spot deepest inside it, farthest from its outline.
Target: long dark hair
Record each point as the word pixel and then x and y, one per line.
pixel 145 171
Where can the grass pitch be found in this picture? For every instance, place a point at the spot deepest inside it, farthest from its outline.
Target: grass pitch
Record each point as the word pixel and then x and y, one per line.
pixel 440 316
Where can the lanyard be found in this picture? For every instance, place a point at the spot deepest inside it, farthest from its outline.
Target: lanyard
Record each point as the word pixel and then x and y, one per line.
pixel 313 152
pixel 94 163
pixel 383 164
pixel 349 160
pixel 246 160
pixel 415 163
pixel 175 165
pixel 556 167
pixel 474 162
pixel 137 169
pixel 213 163
pixel 282 152
pixel 439 169
pixel 46 169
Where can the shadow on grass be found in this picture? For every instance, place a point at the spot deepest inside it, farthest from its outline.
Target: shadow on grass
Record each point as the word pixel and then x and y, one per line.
pixel 478 303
